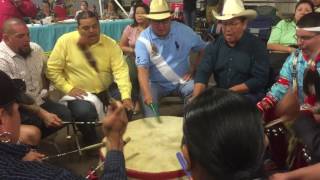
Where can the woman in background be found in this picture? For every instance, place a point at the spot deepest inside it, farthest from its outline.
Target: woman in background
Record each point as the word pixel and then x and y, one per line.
pixel 84 6
pixel 127 44
pixel 283 35
pixel 112 11
pixel 45 10
pixel 60 10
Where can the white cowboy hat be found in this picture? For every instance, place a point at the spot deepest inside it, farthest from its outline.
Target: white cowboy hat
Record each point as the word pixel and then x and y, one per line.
pixel 159 9
pixel 232 9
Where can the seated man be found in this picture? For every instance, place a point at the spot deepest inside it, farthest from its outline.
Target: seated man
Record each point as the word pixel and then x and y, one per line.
pixel 162 56
pixel 22 59
pixel 238 60
pixel 85 61
pixel 18 161
pixel 300 73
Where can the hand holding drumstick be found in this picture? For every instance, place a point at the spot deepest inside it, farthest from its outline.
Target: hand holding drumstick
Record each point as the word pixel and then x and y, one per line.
pixel 114 126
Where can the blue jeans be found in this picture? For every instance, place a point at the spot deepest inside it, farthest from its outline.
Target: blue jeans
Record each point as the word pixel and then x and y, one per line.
pixel 157 91
pixel 84 111
pixel 31 119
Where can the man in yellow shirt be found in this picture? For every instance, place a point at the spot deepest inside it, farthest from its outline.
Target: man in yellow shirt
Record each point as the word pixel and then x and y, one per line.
pixel 85 61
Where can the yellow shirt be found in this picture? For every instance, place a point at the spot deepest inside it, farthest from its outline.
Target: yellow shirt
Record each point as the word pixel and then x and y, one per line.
pixel 68 67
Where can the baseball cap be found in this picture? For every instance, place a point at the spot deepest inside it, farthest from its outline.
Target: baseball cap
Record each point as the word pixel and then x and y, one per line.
pixel 13 90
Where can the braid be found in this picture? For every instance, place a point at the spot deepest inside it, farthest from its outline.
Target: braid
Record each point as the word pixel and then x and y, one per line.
pixel 311 81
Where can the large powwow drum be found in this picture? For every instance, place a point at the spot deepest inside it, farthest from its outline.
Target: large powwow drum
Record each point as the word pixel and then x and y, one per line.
pixel 151 153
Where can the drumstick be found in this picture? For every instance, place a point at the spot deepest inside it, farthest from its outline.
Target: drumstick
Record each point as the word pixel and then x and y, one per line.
pixel 98 145
pixel 82 122
pixel 276 121
pixel 95 169
pixel 183 164
pixel 155 111
pixel 128 139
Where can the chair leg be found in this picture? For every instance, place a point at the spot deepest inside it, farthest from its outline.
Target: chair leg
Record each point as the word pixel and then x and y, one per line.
pixel 68 133
pixel 75 131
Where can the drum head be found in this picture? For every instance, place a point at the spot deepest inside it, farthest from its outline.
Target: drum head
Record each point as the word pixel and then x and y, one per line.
pixel 153 147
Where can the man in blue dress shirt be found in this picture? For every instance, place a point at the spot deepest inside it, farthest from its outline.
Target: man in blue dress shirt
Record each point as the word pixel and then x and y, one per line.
pixel 162 56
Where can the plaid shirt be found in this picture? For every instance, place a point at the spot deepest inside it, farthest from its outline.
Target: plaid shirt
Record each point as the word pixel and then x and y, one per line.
pixel 12 167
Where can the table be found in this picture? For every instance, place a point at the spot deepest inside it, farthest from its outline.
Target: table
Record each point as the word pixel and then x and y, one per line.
pixel 47 35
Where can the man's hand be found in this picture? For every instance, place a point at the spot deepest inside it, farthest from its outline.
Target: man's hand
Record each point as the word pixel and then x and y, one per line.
pixel 114 126
pixel 77 93
pixel 127 103
pixel 147 99
pixel 33 155
pixel 188 76
pixel 50 119
pixel 279 176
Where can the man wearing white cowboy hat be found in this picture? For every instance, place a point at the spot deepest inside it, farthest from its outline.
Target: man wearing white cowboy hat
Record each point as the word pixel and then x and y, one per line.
pixel 238 60
pixel 162 56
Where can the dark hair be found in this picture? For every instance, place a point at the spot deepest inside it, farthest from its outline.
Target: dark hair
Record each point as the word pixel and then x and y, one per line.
pixel 224 134
pixel 86 15
pixel 115 6
pixel 309 20
pixel 8 108
pixel 47 2
pixel 84 2
pixel 297 5
pixel 138 4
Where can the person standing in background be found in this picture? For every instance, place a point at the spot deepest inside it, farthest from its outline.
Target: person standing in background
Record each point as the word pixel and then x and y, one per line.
pixel 16 9
pixel 316 4
pixel 84 6
pixel 128 42
pixel 189 12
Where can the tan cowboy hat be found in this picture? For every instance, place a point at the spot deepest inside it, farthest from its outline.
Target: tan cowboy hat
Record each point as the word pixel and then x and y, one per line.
pixel 159 9
pixel 232 9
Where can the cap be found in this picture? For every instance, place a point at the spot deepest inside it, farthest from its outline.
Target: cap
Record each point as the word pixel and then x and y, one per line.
pixel 13 90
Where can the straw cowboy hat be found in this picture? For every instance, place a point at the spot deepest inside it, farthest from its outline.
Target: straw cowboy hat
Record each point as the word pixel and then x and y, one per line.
pixel 159 9
pixel 232 9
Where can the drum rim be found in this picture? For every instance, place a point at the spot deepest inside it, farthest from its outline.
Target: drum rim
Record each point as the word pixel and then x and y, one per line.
pixel 154 175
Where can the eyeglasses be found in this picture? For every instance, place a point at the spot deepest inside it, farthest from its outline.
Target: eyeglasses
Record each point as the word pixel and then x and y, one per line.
pixel 305 38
